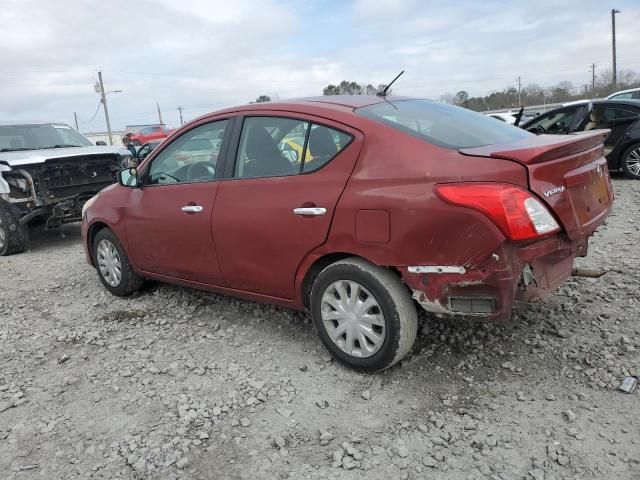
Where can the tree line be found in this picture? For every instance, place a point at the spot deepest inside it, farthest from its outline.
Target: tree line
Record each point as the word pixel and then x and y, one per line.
pixel 531 94
pixel 534 94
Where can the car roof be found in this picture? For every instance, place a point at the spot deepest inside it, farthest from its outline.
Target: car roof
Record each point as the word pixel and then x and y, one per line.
pixel 30 122
pixel 629 90
pixel 338 102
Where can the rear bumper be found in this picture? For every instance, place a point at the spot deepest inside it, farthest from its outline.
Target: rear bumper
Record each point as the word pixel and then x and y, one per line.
pixel 522 271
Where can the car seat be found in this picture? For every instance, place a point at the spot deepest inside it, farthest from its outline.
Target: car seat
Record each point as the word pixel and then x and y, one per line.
pixel 595 119
pixel 321 146
pixel 263 157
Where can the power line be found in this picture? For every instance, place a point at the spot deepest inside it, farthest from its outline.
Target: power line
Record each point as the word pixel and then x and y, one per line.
pixel 94 115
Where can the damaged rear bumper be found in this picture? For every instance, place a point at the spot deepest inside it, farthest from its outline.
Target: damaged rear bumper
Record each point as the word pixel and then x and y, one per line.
pixel 487 291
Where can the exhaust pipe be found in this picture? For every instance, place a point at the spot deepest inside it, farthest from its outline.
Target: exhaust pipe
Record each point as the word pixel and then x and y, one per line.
pixel 587 272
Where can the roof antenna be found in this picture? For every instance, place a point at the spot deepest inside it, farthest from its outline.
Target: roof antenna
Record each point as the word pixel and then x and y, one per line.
pixel 383 93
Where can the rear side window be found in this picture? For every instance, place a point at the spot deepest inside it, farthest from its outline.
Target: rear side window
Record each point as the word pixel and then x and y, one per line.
pixel 621 113
pixel 442 124
pixel 324 144
pixel 278 146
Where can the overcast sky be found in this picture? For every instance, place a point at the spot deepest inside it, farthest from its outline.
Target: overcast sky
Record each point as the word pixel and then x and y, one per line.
pixel 207 54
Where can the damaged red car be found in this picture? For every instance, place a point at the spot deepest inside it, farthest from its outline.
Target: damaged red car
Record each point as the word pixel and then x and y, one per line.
pixel 361 210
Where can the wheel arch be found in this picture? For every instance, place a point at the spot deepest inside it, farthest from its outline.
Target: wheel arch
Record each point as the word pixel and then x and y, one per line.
pixel 93 230
pixel 323 261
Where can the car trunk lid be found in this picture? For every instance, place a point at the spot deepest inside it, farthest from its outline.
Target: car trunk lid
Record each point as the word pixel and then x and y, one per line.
pixel 568 172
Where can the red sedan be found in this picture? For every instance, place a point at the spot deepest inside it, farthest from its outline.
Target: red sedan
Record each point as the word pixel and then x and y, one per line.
pixel 403 204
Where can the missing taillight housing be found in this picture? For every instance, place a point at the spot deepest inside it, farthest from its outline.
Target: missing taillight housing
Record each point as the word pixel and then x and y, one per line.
pixel 518 213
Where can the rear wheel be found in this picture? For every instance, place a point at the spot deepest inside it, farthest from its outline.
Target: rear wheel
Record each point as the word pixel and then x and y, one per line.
pixel 113 265
pixel 13 236
pixel 631 161
pixel 364 314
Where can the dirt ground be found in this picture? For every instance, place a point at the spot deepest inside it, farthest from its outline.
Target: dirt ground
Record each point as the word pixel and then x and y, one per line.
pixel 176 383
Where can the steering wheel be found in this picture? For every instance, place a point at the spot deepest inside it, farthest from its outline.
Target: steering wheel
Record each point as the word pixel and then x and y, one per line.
pixel 159 175
pixel 200 170
pixel 540 129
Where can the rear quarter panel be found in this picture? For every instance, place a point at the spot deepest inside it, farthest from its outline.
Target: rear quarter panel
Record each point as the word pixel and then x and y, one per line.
pixel 396 173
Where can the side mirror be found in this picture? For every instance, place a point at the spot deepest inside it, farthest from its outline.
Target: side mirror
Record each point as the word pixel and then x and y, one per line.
pixel 128 177
pixel 101 143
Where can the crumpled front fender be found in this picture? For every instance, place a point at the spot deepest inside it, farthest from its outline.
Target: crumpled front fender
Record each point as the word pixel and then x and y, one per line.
pixel 4 186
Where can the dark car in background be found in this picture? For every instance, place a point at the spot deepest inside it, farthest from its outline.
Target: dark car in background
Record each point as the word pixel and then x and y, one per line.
pixel 621 117
pixel 393 204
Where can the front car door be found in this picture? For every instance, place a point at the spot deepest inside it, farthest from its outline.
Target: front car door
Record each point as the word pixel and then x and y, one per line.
pixel 169 219
pixel 277 205
pixel 561 121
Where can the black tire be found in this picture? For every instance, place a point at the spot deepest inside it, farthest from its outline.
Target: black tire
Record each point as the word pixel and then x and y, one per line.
pixel 629 161
pixel 13 236
pixel 394 302
pixel 130 281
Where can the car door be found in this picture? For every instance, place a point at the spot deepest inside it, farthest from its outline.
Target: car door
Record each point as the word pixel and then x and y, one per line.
pixel 560 121
pixel 275 208
pixel 168 220
pixel 618 118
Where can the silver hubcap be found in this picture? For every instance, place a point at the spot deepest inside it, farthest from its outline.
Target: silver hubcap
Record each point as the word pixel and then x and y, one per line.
pixel 633 161
pixel 109 263
pixel 353 318
pixel 3 234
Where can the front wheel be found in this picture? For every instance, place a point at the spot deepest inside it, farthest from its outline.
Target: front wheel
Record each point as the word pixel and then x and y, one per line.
pixel 364 315
pixel 113 265
pixel 13 236
pixel 631 161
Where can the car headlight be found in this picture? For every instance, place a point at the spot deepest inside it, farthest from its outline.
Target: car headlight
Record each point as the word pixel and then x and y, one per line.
pixel 88 204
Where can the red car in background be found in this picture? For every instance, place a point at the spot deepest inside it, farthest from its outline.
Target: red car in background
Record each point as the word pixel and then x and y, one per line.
pixel 141 134
pixel 394 204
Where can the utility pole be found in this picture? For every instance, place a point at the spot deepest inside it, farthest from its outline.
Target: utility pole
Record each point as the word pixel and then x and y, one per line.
pixel 593 80
pixel 75 117
pixel 104 105
pixel 159 114
pixel 519 86
pixel 180 110
pixel 613 43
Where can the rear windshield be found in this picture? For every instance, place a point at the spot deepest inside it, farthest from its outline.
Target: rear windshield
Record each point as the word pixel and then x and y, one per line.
pixel 442 124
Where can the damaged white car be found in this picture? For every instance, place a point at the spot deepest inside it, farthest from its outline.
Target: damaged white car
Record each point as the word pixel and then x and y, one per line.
pixel 47 172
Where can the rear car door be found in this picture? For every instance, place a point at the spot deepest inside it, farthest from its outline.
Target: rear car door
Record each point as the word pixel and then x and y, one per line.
pixel 275 205
pixel 169 219
pixel 618 118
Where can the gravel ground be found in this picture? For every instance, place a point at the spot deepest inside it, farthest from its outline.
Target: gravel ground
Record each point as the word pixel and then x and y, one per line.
pixel 176 383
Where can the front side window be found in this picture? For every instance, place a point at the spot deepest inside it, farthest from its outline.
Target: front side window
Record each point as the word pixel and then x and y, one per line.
pixel 192 157
pixel 556 122
pixel 442 124
pixel 276 146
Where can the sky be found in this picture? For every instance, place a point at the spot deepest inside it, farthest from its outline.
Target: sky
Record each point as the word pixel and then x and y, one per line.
pixel 208 54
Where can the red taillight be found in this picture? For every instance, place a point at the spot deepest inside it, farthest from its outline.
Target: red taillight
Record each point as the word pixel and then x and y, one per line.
pixel 514 210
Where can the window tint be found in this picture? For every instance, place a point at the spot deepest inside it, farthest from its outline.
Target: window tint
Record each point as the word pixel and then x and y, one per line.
pixel 622 96
pixel 619 114
pixel 324 143
pixel 556 122
pixel 192 157
pixel 442 124
pixel 270 146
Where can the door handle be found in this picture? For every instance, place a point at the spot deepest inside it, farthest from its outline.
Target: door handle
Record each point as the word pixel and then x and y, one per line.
pixel 192 208
pixel 312 211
